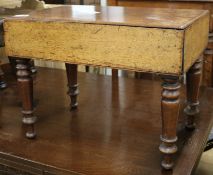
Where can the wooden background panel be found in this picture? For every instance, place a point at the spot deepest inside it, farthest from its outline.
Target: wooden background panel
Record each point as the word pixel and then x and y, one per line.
pixel 133 48
pixel 124 136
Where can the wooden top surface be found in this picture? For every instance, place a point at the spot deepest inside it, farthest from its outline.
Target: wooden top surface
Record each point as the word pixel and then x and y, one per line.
pixel 8 12
pixel 115 131
pixel 11 12
pixel 130 16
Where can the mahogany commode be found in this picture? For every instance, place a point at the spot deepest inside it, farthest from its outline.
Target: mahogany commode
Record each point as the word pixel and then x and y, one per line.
pixel 164 41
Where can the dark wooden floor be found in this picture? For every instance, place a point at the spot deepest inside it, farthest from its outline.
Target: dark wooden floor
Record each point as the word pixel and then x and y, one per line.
pixel 114 132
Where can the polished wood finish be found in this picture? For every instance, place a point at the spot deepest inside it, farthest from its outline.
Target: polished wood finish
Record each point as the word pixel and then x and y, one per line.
pixel 119 135
pixel 5 12
pixel 138 75
pixel 115 73
pixel 10 12
pixel 25 85
pixel 170 104
pixel 207 79
pixel 13 63
pixel 86 68
pixel 164 41
pixel 130 16
pixel 72 77
pixel 169 50
pixel 193 78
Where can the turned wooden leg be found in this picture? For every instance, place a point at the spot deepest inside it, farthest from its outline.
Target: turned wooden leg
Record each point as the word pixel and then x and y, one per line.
pixel 193 78
pixel 13 65
pixel 138 75
pixel 114 74
pixel 86 68
pixel 3 85
pixel 169 110
pixel 72 71
pixel 25 85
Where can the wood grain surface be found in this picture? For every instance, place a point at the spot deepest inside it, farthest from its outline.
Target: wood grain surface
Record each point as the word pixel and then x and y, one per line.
pixel 195 42
pixel 207 79
pixel 115 131
pixel 131 16
pixel 139 39
pixel 132 48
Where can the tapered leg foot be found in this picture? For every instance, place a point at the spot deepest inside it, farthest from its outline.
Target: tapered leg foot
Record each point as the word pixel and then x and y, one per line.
pixel 25 85
pixel 72 71
pixel 3 85
pixel 170 104
pixel 193 78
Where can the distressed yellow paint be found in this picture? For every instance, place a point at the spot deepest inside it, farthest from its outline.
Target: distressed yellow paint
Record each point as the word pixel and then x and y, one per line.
pixel 196 39
pixel 123 47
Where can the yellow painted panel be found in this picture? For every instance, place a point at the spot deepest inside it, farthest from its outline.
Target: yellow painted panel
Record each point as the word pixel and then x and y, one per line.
pixel 196 39
pixel 123 47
